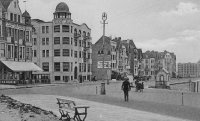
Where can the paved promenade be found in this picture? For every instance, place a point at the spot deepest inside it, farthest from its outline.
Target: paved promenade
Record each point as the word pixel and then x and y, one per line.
pixel 97 111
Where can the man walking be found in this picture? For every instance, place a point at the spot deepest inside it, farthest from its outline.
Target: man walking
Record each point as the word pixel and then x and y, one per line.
pixel 126 88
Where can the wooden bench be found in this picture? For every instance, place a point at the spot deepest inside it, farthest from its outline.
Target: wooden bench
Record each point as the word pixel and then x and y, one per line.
pixel 69 110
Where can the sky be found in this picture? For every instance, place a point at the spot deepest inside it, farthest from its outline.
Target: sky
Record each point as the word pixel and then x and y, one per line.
pixel 172 25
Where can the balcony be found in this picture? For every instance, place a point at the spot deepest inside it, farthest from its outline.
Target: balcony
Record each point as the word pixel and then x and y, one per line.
pixel 86 37
pixel 76 35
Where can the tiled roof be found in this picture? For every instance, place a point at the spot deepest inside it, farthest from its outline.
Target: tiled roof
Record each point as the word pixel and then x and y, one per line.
pixel 26 14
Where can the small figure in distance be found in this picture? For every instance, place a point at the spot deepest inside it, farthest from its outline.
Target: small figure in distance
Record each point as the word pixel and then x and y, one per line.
pixel 126 87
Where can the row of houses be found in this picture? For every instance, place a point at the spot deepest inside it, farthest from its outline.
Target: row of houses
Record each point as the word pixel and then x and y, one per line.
pixel 60 50
pixel 123 56
pixel 118 55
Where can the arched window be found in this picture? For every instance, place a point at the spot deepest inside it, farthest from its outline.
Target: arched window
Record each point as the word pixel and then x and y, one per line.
pixel 75 31
pixel 88 34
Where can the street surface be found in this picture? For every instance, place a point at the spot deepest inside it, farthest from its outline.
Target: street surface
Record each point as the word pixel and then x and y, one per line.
pixel 152 102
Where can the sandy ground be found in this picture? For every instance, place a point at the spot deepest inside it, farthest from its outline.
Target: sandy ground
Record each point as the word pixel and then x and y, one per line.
pixel 12 110
pixel 97 111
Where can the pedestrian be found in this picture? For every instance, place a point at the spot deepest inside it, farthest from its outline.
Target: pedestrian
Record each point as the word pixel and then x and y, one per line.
pixel 136 85
pixel 126 88
pixel 142 86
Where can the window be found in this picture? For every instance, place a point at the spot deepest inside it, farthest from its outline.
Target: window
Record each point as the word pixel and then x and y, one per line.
pixel 57 78
pixel 47 53
pixel 15 17
pixel 79 67
pixel 71 53
pixel 71 41
pixel 80 43
pixel 56 66
pixel 75 54
pixel 27 36
pixel 57 28
pixel 89 66
pixel 47 29
pixel 56 40
pixel 21 34
pixel 71 66
pixel 15 4
pixel 43 29
pixel 66 66
pixel 66 52
pixel 34 41
pixel 11 16
pixel 45 66
pixel 43 53
pixel 89 55
pixel 2 49
pixel 65 28
pixel 80 54
pixel 47 41
pixel 57 52
pixel 19 18
pixel 43 41
pixel 85 67
pixel 71 29
pixel 75 42
pixel 35 53
pixel 66 40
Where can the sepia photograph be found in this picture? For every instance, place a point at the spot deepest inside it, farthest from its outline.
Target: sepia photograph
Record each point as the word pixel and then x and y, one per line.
pixel 99 60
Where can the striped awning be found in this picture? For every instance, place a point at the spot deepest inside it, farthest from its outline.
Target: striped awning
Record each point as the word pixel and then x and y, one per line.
pixel 21 66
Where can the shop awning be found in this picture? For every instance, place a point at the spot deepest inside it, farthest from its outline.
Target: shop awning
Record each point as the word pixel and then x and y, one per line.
pixel 21 66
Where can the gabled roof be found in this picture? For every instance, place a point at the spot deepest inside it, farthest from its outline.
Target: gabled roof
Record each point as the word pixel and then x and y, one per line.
pixel 6 3
pixel 106 40
pixel 85 25
pixel 26 14
pixel 38 20
pixel 1 6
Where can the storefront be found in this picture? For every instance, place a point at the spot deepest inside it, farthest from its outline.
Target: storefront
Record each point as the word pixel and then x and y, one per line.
pixel 14 72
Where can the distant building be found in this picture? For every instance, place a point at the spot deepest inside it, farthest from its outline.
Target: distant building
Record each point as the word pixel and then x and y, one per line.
pixel 188 70
pixel 120 56
pixel 154 61
pixel 15 44
pixel 109 53
pixel 62 47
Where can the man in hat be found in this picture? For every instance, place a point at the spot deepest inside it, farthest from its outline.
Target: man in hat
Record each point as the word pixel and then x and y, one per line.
pixel 126 88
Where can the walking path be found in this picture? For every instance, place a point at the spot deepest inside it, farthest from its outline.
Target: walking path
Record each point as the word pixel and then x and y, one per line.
pixel 97 111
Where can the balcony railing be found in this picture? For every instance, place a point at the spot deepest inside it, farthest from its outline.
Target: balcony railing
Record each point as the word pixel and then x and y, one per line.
pixel 86 37
pixel 76 35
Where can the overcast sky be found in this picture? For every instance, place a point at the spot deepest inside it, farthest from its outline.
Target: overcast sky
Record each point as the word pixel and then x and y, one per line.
pixel 172 25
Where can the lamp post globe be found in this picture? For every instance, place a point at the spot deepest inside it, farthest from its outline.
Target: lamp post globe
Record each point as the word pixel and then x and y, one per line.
pixel 104 16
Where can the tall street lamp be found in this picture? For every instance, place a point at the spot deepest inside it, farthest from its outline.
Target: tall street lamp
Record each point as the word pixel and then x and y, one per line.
pixel 104 18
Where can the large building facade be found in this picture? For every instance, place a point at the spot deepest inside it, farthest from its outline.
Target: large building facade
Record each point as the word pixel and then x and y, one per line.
pixel 186 70
pixel 154 61
pixel 62 47
pixel 15 43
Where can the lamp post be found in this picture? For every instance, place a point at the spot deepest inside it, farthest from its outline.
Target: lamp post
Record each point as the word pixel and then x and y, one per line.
pixel 104 18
